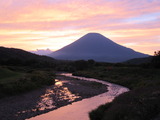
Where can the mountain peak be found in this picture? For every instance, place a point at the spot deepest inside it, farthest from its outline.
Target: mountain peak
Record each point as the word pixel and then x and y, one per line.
pixel 93 39
pixel 93 33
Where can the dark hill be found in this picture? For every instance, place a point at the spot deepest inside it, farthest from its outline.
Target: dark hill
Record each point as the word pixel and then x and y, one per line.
pixel 138 61
pixel 13 56
pixel 97 47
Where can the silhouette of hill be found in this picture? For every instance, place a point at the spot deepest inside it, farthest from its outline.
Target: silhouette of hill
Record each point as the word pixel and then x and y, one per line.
pixel 97 47
pixel 138 61
pixel 13 56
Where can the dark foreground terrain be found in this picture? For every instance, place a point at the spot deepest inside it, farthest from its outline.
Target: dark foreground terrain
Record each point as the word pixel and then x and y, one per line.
pixel 65 91
pixel 16 80
pixel 140 103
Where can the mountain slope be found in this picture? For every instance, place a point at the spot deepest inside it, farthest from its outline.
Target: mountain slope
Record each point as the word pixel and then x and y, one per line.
pixel 98 47
pixel 13 56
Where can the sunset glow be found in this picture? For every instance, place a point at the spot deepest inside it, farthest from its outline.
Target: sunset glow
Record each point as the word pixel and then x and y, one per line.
pixel 52 24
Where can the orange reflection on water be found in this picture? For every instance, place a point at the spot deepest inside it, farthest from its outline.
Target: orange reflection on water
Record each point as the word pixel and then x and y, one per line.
pixel 61 94
pixel 46 101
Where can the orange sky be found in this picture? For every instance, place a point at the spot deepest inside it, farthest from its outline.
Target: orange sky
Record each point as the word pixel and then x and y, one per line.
pixel 41 24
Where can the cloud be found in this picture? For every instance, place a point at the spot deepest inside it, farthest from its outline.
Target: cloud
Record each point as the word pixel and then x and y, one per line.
pixel 63 21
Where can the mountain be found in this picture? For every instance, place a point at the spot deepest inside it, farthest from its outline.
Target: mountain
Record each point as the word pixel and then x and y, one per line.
pixel 42 52
pixel 13 56
pixel 97 47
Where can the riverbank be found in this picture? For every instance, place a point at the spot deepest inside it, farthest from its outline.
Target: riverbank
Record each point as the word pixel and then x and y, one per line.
pixel 65 91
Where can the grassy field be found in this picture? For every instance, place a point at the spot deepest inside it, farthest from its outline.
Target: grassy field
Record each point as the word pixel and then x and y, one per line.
pixel 140 103
pixel 14 82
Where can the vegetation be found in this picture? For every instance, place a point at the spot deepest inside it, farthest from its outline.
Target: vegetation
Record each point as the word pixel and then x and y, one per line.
pixel 99 112
pixel 140 103
pixel 12 83
pixel 139 61
pixel 156 59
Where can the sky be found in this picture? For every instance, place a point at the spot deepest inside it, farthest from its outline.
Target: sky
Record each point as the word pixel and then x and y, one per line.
pixel 53 24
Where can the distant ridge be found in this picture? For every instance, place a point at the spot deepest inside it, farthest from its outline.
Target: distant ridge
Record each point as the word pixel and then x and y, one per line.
pixel 42 51
pixel 97 47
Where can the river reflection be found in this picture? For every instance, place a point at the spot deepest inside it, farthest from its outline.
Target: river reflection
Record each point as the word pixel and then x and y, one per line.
pixel 46 101
pixel 59 92
pixel 52 97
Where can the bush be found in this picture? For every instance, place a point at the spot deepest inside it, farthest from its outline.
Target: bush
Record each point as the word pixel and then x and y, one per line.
pixel 99 112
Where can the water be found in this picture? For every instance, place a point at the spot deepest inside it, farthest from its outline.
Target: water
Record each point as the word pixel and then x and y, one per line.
pixel 79 110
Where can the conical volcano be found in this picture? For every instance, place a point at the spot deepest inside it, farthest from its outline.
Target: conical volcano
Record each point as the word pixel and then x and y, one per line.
pixel 97 47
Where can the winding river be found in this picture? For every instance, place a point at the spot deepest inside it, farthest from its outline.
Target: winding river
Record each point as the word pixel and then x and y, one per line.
pixel 79 110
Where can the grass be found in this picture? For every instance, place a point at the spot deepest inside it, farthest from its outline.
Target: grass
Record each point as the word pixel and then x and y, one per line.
pixel 140 103
pixel 7 76
pixel 16 82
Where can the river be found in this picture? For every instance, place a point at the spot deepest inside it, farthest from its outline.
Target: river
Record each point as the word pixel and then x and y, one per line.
pixel 79 110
